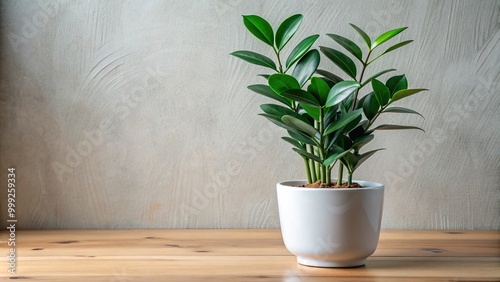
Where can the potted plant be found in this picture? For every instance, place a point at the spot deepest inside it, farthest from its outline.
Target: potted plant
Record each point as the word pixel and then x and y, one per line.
pixel 328 121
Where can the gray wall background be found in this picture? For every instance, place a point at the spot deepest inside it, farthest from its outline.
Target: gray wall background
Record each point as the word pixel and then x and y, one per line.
pixel 131 114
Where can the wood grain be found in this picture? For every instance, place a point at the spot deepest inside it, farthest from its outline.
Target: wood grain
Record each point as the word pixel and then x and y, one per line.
pixel 245 255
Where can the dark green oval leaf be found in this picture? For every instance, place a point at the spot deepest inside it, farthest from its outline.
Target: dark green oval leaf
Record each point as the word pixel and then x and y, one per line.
pixel 301 96
pixel 362 158
pixel 343 121
pixel 401 110
pixel 308 155
pixel 341 60
pixel 361 141
pixel 280 123
pixel 287 29
pixel 280 111
pixel 306 66
pixel 312 111
pixel 300 50
pixel 330 76
pixel 341 91
pixel 268 92
pixel 293 142
pixel 300 125
pixel 397 83
pixel 363 34
pixel 395 127
pixel 260 28
pixel 334 157
pixel 348 45
pixel 382 93
pixel 405 93
pixel 276 110
pixel 319 88
pixel 370 106
pixel 255 58
pixel 280 82
pixel 302 138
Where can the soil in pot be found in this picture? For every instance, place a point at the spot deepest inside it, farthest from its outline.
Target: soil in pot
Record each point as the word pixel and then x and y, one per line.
pixel 319 184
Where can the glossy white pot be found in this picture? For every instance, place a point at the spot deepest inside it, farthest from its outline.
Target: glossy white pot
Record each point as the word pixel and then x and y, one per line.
pixel 330 227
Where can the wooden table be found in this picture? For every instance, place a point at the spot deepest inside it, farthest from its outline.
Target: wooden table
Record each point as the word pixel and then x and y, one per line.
pixel 242 255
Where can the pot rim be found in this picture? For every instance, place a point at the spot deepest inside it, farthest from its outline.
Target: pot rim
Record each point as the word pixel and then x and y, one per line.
pixel 367 185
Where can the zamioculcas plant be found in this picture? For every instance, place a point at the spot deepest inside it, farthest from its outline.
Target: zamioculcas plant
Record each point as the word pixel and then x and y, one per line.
pixel 327 118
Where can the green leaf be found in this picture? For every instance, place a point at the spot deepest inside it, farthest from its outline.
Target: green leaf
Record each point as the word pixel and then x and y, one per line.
pixel 392 48
pixel 401 110
pixel 361 141
pixel 281 124
pixel 341 60
pixel 405 93
pixel 293 142
pixel 349 160
pixel 375 76
pixel 397 83
pixel 363 34
pixel 255 58
pixel 300 125
pixel 386 36
pixel 280 82
pixel 359 130
pixel 280 111
pixel 268 92
pixel 370 106
pixel 343 121
pixel 319 88
pixel 353 124
pixel 287 29
pixel 306 66
pixel 301 96
pixel 266 76
pixel 275 110
pixel 300 50
pixel 362 158
pixel 334 157
pixel 307 155
pixel 395 127
pixel 302 138
pixel 340 91
pixel 312 111
pixel 332 77
pixel 382 93
pixel 344 142
pixel 260 28
pixel 348 45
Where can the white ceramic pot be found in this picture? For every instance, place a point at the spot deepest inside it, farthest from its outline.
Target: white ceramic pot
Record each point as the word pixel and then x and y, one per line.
pixel 330 227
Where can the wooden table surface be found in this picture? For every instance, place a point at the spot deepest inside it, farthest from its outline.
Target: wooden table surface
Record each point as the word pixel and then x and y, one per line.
pixel 242 255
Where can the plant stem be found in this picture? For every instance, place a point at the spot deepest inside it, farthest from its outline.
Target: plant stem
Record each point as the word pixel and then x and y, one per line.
pixel 341 172
pixel 329 177
pixel 349 179
pixel 365 65
pixel 376 116
pixel 279 60
pixel 311 164
pixel 308 172
pixel 321 144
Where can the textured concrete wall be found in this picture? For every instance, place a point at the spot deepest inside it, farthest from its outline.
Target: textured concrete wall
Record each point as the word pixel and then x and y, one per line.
pixel 131 114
